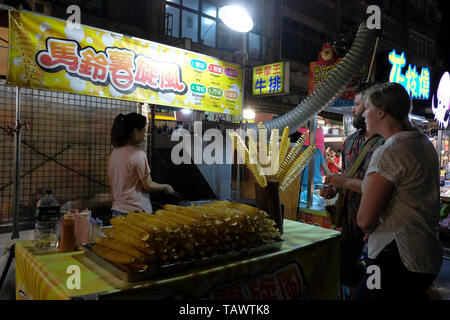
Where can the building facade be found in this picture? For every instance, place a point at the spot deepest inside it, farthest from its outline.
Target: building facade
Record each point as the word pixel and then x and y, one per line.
pixel 284 30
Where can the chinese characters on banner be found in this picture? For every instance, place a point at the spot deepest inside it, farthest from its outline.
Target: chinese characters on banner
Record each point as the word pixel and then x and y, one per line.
pixel 417 85
pixel 118 67
pixel 46 54
pixel 271 79
pixel 287 283
pixel 319 72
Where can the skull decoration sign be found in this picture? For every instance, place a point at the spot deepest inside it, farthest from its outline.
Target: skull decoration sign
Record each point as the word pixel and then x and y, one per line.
pixel 441 109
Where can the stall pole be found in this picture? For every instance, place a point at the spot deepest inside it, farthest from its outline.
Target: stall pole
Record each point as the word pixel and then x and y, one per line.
pixel 244 63
pixel 15 233
pixel 373 57
pixel 151 148
pixel 312 141
pixel 439 147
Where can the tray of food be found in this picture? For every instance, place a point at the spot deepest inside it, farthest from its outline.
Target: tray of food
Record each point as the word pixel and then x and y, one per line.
pixel 129 274
pixel 176 239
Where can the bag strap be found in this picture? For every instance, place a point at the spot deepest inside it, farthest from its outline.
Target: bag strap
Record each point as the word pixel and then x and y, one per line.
pixel 357 164
pixel 351 173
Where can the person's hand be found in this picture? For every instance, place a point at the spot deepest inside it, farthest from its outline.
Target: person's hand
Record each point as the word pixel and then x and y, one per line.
pixel 328 192
pixel 168 189
pixel 335 180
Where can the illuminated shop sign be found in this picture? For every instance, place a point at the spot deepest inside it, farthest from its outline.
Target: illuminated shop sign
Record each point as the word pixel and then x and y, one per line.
pixel 417 85
pixel 271 79
pixel 45 53
pixel 441 109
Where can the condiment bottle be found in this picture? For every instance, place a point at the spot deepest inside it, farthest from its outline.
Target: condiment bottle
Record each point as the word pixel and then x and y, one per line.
pixel 82 228
pixel 96 229
pixel 67 243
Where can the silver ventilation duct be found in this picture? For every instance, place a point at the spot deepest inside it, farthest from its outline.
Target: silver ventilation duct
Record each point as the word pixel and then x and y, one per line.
pixel 326 93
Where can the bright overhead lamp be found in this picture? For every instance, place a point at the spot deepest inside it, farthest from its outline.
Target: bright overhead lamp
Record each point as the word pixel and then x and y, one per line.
pixel 249 114
pixel 236 18
pixel 186 111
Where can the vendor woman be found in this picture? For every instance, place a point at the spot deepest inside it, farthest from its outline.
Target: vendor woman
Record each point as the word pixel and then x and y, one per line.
pixel 128 169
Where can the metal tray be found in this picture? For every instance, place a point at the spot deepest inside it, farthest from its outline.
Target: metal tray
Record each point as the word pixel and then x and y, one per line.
pixel 195 203
pixel 129 275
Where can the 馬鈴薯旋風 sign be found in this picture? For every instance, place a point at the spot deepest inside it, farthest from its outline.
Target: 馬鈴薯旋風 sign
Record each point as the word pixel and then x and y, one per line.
pixel 271 79
pixel 417 85
pixel 47 53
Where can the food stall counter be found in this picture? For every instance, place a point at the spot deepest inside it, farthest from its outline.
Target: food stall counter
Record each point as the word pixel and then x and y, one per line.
pixel 306 267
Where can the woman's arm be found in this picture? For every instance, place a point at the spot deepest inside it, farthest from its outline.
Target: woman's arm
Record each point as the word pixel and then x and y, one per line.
pixel 325 168
pixel 338 164
pixel 375 200
pixel 340 181
pixel 152 186
pixel 110 182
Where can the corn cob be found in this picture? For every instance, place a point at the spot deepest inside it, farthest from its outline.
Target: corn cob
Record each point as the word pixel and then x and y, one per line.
pixel 121 247
pixel 122 223
pixel 151 219
pixel 138 221
pixel 112 255
pixel 177 216
pixel 125 238
pixel 187 211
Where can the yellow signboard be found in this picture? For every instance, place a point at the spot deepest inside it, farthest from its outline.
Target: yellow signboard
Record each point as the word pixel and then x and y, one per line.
pixel 47 53
pixel 271 79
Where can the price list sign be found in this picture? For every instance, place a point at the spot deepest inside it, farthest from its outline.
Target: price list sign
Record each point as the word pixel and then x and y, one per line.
pixel 46 53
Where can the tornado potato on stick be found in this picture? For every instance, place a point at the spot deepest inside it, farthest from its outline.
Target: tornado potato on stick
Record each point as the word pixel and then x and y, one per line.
pixel 295 170
pixel 263 149
pixel 252 147
pixel 255 169
pixel 274 152
pixel 284 146
pixel 292 155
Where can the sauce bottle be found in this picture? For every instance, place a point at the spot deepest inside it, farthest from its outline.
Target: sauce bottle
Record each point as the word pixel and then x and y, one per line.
pixel 67 243
pixel 82 228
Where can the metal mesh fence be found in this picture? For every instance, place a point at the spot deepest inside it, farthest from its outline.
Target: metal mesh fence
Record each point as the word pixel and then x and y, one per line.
pixel 66 150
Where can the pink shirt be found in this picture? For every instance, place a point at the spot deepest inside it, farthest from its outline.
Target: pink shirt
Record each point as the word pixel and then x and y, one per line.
pixel 128 165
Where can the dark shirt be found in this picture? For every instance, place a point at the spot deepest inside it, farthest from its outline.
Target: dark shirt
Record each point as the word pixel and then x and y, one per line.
pixel 353 146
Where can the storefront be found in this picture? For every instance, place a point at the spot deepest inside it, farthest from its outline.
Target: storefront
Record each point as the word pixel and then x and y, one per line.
pixel 440 138
pixel 303 265
pixel 331 127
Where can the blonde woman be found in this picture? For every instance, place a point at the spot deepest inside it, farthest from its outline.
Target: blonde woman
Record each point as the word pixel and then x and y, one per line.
pixel 399 210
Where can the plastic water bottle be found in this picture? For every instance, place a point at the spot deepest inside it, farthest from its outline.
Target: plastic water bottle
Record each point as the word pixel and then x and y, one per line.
pixel 46 221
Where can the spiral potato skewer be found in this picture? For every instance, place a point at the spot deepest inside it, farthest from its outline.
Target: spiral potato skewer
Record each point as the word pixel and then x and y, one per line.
pixel 294 171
